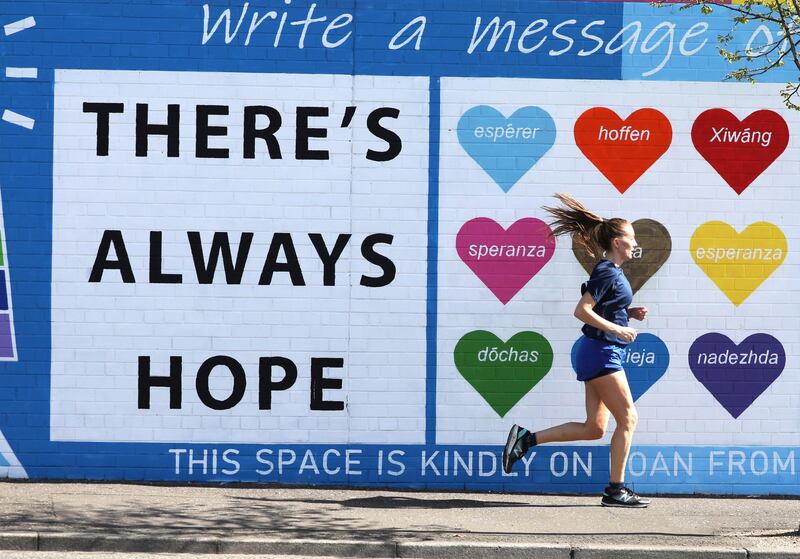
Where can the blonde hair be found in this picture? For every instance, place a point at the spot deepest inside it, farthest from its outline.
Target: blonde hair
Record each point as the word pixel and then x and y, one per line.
pixel 587 228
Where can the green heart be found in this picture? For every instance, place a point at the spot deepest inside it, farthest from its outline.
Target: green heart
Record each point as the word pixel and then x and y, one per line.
pixel 518 365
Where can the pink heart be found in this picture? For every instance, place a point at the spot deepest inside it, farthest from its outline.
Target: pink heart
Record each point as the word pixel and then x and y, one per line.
pixel 505 260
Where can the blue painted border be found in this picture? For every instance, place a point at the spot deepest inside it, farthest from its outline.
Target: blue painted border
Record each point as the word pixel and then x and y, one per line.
pixel 554 468
pixel 433 258
pixel 26 179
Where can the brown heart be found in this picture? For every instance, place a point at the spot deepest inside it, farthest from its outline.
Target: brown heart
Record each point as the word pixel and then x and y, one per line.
pixel 655 245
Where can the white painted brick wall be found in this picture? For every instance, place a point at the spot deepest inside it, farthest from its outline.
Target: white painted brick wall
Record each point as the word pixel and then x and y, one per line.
pixel 380 333
pixel 99 329
pixel 682 191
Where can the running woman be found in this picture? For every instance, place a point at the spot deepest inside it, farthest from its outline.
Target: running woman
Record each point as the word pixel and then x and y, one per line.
pixel 604 308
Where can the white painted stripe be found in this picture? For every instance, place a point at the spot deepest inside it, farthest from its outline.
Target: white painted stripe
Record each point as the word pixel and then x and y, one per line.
pixel 21 25
pixel 22 73
pixel 18 119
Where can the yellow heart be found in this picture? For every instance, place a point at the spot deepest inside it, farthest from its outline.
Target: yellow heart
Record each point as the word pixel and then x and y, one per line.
pixel 738 262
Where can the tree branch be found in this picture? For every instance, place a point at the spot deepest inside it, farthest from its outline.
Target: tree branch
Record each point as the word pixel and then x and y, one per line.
pixel 783 14
pixel 787 31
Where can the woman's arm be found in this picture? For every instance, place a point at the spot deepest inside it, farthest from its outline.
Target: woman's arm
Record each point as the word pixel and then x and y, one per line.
pixel 584 313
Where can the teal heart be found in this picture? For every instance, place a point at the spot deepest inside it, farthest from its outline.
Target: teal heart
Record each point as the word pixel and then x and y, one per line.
pixel 506 148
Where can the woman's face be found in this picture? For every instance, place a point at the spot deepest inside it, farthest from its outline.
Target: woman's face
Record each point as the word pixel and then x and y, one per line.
pixel 624 246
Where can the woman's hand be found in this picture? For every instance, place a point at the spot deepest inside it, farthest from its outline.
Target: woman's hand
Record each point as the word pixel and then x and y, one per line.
pixel 626 333
pixel 585 313
pixel 639 313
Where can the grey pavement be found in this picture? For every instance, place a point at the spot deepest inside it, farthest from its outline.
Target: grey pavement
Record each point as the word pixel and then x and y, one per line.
pixel 6 554
pixel 90 517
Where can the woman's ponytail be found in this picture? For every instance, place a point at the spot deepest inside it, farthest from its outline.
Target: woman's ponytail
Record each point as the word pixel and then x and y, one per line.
pixel 587 228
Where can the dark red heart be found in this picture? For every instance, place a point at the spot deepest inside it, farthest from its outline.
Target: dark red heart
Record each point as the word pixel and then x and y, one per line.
pixel 740 150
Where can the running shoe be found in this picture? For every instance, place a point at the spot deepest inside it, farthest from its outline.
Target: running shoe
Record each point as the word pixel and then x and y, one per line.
pixel 624 498
pixel 516 447
pixel 642 500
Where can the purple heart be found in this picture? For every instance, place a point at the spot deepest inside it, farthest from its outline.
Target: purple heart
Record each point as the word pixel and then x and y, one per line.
pixel 736 375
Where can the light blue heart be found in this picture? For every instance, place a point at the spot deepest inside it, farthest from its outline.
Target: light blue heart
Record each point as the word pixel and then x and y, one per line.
pixel 506 148
pixel 645 363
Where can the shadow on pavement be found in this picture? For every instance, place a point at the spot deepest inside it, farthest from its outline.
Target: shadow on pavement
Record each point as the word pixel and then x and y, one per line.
pixel 260 518
pixel 396 502
pixel 411 503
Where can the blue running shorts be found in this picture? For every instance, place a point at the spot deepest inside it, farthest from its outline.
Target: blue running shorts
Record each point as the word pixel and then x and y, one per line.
pixel 595 358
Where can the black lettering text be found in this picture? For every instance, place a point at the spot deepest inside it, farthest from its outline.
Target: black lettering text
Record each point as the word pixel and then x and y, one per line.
pixel 319 383
pixel 101 261
pixel 147 381
pixel 391 138
pixel 205 270
pixel 203 131
pixel 204 374
pixel 304 132
pixel 266 386
pixel 388 267
pixel 103 110
pixel 171 130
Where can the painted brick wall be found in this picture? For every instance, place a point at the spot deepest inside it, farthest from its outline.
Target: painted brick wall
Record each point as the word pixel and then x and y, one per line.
pixel 360 326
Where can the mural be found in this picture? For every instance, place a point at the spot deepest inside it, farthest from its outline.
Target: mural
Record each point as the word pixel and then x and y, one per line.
pixel 302 242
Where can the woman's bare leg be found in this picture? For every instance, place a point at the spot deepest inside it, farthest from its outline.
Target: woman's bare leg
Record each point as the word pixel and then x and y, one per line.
pixel 593 428
pixel 614 392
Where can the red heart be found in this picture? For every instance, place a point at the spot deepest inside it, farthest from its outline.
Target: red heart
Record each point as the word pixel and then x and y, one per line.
pixel 622 149
pixel 720 138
